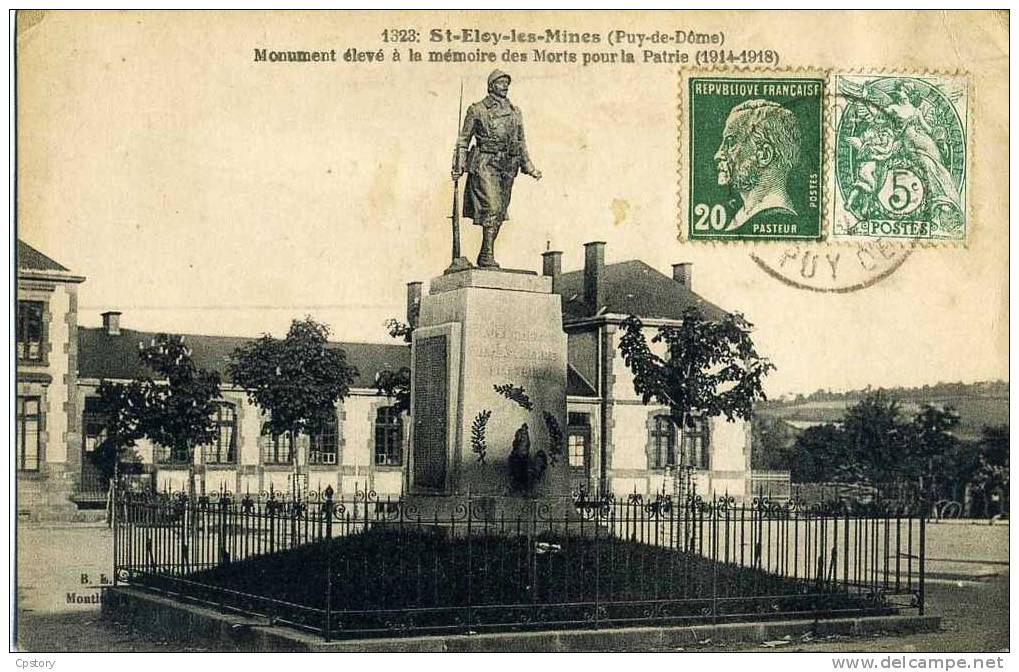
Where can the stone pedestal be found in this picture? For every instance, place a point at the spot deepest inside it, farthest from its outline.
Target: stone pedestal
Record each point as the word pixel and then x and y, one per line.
pixel 476 329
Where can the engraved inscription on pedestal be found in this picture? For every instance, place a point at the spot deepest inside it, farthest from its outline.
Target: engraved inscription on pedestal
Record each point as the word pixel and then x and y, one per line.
pixel 431 396
pixel 504 329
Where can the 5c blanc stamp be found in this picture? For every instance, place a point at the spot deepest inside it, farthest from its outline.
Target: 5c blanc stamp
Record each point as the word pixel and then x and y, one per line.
pixel 900 157
pixel 754 156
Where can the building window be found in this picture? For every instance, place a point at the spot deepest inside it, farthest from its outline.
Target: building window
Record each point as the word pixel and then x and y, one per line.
pixel 388 437
pixel 663 442
pixel 30 331
pixel 578 437
pixel 223 450
pixel 323 444
pixel 93 425
pixel 696 444
pixel 168 455
pixel 29 419
pixel 93 432
pixel 577 444
pixel 276 449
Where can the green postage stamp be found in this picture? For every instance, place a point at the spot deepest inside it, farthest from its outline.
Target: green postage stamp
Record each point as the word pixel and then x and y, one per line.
pixel 755 156
pixel 900 157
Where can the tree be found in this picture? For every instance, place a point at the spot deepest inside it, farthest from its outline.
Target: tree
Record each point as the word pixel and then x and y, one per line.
pixel 875 444
pixel 711 368
pixel 958 469
pixel 994 445
pixel 772 444
pixel 877 440
pixel 819 456
pixel 175 410
pixel 398 329
pixel 296 381
pixel 992 474
pixel 396 384
pixel 934 446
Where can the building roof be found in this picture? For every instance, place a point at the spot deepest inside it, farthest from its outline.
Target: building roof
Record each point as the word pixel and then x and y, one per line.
pixel 104 355
pixel 632 288
pixel 31 259
pixel 577 385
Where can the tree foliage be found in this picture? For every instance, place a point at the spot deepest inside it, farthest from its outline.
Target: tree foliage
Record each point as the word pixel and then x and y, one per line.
pixel 991 476
pixel 174 408
pixel 876 443
pixel 396 384
pixel 398 329
pixel 994 445
pixel 819 455
pixel 772 444
pixel 709 368
pixel 876 439
pixel 296 380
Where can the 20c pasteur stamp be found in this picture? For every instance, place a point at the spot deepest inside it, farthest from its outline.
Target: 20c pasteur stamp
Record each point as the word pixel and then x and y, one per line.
pixel 900 157
pixel 754 151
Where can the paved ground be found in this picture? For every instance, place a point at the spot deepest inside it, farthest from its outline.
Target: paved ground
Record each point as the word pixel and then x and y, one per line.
pixel 53 559
pixel 974 618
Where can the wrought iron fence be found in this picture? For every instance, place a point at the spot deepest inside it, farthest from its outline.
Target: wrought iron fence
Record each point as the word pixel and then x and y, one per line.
pixel 374 567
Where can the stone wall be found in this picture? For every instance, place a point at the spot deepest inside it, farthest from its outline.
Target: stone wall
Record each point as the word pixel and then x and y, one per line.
pixel 47 493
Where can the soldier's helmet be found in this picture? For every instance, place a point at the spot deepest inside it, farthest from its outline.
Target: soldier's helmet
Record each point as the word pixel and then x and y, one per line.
pixel 497 74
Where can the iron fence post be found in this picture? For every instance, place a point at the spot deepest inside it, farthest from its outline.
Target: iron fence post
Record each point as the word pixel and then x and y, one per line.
pixel 532 561
pixel 923 555
pixel 327 511
pixel 597 570
pixel 470 581
pixel 845 552
pixel 184 525
pixel 223 503
pixel 713 521
pixel 114 520
pixel 270 509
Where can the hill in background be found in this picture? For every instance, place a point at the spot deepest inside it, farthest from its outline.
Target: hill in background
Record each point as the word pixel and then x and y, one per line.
pixel 978 405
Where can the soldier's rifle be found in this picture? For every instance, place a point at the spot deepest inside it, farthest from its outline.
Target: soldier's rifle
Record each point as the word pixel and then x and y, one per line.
pixel 459 262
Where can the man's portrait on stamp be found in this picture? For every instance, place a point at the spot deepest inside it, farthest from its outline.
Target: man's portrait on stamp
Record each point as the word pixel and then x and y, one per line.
pixel 755 158
pixel 760 147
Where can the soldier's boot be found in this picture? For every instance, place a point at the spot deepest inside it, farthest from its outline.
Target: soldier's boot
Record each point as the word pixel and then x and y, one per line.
pixel 486 256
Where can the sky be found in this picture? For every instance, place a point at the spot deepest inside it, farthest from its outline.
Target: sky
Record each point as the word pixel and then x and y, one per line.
pixel 202 192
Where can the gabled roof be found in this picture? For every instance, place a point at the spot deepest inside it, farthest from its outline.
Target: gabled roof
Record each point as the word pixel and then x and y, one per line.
pixel 632 288
pixel 34 265
pixel 104 355
pixel 32 259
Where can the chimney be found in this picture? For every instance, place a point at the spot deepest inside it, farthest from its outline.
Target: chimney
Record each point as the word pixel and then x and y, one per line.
pixel 413 303
pixel 111 322
pixel 552 266
pixel 681 273
pixel 594 275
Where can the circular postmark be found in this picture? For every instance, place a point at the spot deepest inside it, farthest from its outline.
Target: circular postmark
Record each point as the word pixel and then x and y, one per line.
pixel 836 269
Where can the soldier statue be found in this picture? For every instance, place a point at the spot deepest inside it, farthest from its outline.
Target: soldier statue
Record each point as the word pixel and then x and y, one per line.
pixel 492 162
